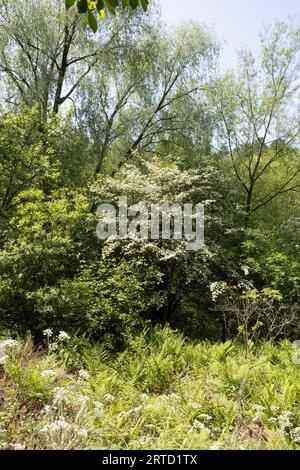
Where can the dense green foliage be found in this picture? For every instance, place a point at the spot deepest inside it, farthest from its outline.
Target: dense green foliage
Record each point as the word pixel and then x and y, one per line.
pixel 147 110
pixel 162 393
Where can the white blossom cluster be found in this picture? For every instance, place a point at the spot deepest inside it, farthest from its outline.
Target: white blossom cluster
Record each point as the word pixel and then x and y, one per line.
pixel 199 426
pixel 4 347
pixel 48 374
pixel 217 289
pixel 295 435
pixel 109 398
pixel 83 374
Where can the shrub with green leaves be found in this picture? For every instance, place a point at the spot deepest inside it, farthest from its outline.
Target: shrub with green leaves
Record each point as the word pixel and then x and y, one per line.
pixel 52 274
pixel 171 272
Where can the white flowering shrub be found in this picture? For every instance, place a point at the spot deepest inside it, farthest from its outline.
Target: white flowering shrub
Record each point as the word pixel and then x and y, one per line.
pixel 172 274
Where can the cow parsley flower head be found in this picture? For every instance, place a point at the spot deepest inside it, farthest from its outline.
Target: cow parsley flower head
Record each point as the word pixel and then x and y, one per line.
pixel 295 435
pixel 4 345
pixel 58 425
pixel 62 336
pixel 19 446
pixel 259 416
pixel 46 410
pixel 274 409
pixel 246 270
pixel 83 400
pixel 82 433
pixel 284 420
pixel 62 395
pixel 198 425
pixel 48 332
pixel 258 407
pixel 216 446
pixel 109 398
pixel 48 374
pixel 83 374
pixel 205 417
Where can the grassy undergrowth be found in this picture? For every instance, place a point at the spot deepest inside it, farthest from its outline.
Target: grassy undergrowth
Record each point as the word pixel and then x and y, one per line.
pixel 161 393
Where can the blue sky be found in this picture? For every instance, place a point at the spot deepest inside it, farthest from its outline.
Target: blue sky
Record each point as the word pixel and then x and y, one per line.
pixel 238 22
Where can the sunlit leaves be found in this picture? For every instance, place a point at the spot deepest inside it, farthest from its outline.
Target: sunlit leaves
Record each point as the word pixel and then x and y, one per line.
pixel 82 6
pixel 98 8
pixel 70 3
pixel 92 21
pixel 145 4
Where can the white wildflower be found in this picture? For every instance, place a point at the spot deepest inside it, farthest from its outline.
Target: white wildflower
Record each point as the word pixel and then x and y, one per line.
pixel 98 405
pixel 173 396
pixel 19 446
pixel 145 396
pixel 258 418
pixel 216 446
pixel 259 408
pixel 53 346
pixel 3 359
pixel 82 433
pixel 48 374
pixel 136 410
pixel 295 435
pixel 284 420
pixel 63 336
pixel 99 409
pixel 172 410
pixel 46 410
pixel 83 374
pixel 198 425
pixel 83 399
pixel 145 440
pixel 273 420
pixel 205 417
pixel 62 395
pixel 4 345
pixel 133 411
pixel 58 425
pixel 109 398
pixel 195 406
pixel 48 332
pixel 274 409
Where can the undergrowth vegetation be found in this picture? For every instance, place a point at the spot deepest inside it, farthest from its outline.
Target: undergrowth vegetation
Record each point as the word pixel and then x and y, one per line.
pixel 163 392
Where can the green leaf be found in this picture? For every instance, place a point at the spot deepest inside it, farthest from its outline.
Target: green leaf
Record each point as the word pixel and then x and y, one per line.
pixel 145 4
pixel 86 19
pixel 82 6
pixel 100 5
pixel 125 3
pixel 69 3
pixel 134 4
pixel 110 6
pixel 92 21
